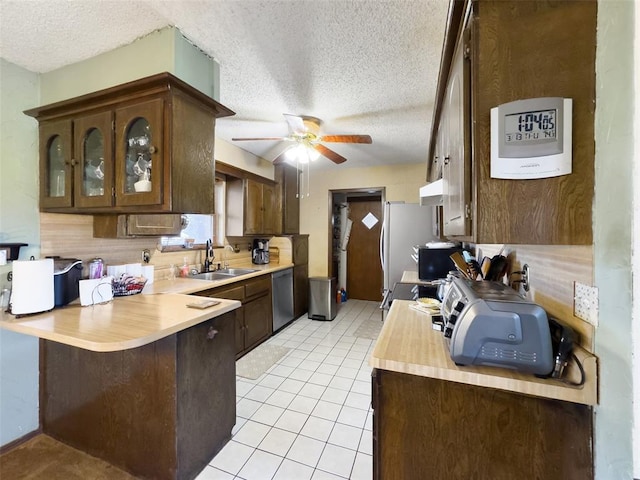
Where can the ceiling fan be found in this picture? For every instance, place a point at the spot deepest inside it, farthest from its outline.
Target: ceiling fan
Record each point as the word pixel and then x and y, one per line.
pixel 304 132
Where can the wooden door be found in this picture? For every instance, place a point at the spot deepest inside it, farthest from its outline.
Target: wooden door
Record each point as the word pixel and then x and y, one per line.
pixel 258 320
pixel 364 272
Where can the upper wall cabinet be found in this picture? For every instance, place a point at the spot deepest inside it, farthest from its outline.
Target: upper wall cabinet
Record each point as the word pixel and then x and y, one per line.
pixel 287 178
pixel 142 147
pixel 251 207
pixel 497 52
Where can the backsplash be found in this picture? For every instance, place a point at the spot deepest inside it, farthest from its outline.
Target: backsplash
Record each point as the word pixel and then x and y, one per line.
pixel 71 236
pixel 553 271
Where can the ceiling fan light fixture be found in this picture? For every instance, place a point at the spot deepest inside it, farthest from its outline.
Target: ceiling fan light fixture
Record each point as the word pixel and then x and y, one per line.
pixel 302 153
pixel 304 133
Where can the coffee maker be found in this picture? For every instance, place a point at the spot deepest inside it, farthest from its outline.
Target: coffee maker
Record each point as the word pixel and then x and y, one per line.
pixel 260 251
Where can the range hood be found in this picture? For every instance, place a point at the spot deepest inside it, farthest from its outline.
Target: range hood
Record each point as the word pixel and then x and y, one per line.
pixel 431 193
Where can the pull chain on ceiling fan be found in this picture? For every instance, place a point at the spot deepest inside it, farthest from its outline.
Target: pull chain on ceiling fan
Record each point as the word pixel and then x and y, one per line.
pixel 304 131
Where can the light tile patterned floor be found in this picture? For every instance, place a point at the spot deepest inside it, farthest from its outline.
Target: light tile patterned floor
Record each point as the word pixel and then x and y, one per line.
pixel 309 416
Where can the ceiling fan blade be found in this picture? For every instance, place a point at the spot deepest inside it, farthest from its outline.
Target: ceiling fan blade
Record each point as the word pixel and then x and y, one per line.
pixel 330 154
pixel 296 124
pixel 346 138
pixel 255 139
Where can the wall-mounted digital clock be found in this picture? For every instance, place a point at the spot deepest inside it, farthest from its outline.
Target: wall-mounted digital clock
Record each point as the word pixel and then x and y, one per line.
pixel 531 138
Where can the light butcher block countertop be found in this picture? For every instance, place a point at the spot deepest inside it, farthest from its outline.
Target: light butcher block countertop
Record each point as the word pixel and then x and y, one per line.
pixel 408 344
pixel 124 323
pixel 189 285
pixel 409 276
pixel 132 321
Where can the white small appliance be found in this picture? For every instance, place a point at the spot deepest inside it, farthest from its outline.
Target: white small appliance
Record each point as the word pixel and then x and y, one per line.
pixel 32 289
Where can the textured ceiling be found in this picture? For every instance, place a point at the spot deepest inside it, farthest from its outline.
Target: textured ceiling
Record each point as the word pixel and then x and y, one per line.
pixel 364 67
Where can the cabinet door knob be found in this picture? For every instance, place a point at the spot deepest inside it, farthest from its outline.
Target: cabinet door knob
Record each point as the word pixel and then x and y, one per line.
pixel 152 149
pixel 73 162
pixel 211 334
pixel 446 160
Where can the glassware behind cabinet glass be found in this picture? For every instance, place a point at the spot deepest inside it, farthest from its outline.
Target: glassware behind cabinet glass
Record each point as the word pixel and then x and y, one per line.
pixel 93 168
pixel 56 168
pixel 138 157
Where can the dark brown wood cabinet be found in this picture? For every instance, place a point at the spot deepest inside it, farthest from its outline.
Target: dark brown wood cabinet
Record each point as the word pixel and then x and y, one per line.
pixel 254 320
pixel 159 411
pixel 487 60
pixel 431 428
pixel 300 290
pixel 251 207
pixel 142 147
pixel 288 181
pixel 300 258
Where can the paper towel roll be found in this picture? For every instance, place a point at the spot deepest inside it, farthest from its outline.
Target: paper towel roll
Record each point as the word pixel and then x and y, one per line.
pixel 134 269
pixel 148 272
pixel 116 270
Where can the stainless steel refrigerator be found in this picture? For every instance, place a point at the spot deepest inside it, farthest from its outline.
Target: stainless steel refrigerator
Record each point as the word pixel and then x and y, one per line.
pixel 404 225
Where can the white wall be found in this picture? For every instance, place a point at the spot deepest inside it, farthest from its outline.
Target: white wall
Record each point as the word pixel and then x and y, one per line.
pixel 165 50
pixel 636 257
pixel 18 224
pixel 613 220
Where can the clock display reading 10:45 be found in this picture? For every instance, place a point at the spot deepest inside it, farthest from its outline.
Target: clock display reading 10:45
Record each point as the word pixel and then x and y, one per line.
pixel 530 126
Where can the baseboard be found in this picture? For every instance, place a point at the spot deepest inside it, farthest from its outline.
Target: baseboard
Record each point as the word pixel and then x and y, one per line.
pixel 19 441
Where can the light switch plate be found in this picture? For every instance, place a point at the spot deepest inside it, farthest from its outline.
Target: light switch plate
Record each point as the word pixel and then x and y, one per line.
pixel 585 302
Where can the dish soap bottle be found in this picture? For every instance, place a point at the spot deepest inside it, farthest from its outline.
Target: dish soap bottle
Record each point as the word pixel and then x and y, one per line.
pixel 184 269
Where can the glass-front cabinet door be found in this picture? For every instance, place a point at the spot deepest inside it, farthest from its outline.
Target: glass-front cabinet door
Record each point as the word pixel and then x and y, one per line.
pixel 93 169
pixel 56 188
pixel 139 155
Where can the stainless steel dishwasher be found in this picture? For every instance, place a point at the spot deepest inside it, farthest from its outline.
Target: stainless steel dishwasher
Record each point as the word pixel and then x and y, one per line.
pixel 282 294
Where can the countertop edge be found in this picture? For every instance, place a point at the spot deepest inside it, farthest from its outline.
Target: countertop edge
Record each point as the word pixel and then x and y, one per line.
pixel 440 366
pixel 21 325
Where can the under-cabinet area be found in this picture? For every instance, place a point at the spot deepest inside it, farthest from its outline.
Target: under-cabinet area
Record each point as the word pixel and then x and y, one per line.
pixel 255 205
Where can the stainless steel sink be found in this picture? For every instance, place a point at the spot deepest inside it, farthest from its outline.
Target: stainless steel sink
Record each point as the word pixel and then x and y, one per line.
pixel 236 271
pixel 223 274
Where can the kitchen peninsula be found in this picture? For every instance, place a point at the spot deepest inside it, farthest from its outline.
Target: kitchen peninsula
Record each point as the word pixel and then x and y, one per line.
pixel 143 382
pixel 434 419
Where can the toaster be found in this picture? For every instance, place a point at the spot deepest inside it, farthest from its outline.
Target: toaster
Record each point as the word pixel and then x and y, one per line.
pixel 489 323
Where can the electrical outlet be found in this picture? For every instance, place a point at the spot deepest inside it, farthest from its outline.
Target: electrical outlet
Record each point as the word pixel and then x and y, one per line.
pixel 585 302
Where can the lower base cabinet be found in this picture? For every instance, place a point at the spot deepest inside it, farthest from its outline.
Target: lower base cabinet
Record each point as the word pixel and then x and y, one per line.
pixel 160 411
pixel 254 320
pixel 300 290
pixel 429 428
